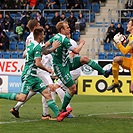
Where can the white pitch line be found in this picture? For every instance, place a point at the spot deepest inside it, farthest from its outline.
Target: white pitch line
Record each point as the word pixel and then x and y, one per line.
pixel 18 121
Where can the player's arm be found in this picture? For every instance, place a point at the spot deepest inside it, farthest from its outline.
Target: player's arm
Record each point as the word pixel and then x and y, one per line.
pixel 118 39
pixel 79 47
pixel 40 65
pixel 47 50
pixel 127 49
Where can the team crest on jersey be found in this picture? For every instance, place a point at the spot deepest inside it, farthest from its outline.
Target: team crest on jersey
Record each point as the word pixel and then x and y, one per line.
pixel 87 69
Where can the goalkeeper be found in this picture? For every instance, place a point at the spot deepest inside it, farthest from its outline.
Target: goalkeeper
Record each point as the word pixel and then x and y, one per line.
pixel 126 63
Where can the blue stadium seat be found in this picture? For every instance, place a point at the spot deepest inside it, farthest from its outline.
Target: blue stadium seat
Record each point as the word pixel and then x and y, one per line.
pixel 44 1
pixel 41 6
pixel 13 15
pixel 50 16
pixel 114 48
pixel 33 15
pixel 18 16
pixel 76 14
pixel 119 54
pixel 96 7
pixel 76 35
pixel 88 6
pixel 13 45
pixel 107 46
pixel 1 54
pixel 6 55
pixel 62 1
pixel 102 55
pixel 14 55
pixel 63 6
pixel 92 17
pixel 85 1
pixel 110 55
pixel 128 55
pixel 20 56
pixel 21 45
pixel 67 14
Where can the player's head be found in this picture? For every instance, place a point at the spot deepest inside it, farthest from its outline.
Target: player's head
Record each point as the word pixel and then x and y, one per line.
pixel 130 25
pixel 32 24
pixel 63 27
pixel 39 34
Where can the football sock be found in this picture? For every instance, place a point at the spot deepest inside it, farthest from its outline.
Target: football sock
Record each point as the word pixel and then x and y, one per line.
pixel 66 101
pixel 19 104
pixel 53 107
pixel 53 94
pixel 96 66
pixel 9 96
pixel 44 106
pixel 61 95
pixel 115 72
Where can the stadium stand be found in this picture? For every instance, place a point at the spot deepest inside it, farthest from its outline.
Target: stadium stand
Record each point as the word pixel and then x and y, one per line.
pixel 21 14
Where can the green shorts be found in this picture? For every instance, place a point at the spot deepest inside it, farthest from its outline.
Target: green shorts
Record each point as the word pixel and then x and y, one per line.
pixel 33 83
pixel 63 72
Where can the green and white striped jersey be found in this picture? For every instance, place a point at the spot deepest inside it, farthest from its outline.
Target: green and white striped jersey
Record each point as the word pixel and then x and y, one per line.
pixel 61 54
pixel 34 50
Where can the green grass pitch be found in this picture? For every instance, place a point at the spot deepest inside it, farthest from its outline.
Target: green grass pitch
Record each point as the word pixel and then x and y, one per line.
pixel 93 114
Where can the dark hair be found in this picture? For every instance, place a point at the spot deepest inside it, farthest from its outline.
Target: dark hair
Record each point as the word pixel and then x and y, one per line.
pixel 37 31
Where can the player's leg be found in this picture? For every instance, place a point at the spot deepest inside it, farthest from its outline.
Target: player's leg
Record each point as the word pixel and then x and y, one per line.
pixel 59 115
pixel 46 115
pixel 131 71
pixel 125 63
pixel 95 66
pixel 18 97
pixel 60 92
pixel 45 77
pixel 15 109
pixel 81 60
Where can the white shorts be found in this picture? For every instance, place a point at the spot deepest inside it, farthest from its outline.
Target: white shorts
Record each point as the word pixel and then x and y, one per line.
pixel 45 77
pixel 74 73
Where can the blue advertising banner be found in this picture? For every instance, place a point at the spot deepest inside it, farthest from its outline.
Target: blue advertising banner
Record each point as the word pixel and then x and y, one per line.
pixel 14 84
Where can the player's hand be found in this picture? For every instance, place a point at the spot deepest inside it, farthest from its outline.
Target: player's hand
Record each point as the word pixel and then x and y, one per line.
pixel 117 39
pixel 82 41
pixel 55 44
